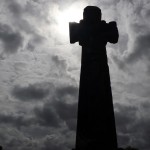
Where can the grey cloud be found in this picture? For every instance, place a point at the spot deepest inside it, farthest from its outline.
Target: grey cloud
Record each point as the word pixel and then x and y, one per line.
pixel 72 124
pixel 31 92
pixel 61 63
pixel 34 8
pixel 67 112
pixel 16 121
pixel 142 134
pixel 15 7
pixel 123 140
pixel 142 48
pixel 54 144
pixel 17 140
pixel 12 139
pixel 132 127
pixel 125 117
pixel 52 113
pixel 55 112
pixel 46 116
pixel 19 15
pixel 30 46
pixel 123 42
pixel 140 51
pixel 120 63
pixel 11 40
pixel 148 14
pixel 29 8
pixel 68 90
pixel 139 89
pixel 35 41
pixel 145 106
pixel 148 69
pixel 135 48
pixel 37 131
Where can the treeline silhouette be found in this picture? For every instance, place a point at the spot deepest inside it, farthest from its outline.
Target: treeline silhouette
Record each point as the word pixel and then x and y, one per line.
pixel 128 148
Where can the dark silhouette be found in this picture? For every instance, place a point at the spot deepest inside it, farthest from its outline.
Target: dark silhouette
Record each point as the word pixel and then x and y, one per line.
pixel 95 123
pixel 1 148
pixel 128 148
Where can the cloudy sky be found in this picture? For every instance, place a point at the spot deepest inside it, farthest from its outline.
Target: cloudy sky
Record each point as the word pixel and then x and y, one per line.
pixel 39 72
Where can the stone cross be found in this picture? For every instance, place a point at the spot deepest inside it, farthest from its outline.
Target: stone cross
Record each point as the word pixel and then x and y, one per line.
pixel 96 128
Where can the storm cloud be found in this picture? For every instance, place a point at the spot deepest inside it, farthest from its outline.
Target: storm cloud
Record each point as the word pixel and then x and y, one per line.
pixel 132 126
pixel 31 92
pixel 40 73
pixel 11 40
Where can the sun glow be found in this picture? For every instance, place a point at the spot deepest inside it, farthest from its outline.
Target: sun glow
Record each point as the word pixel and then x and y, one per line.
pixel 71 14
